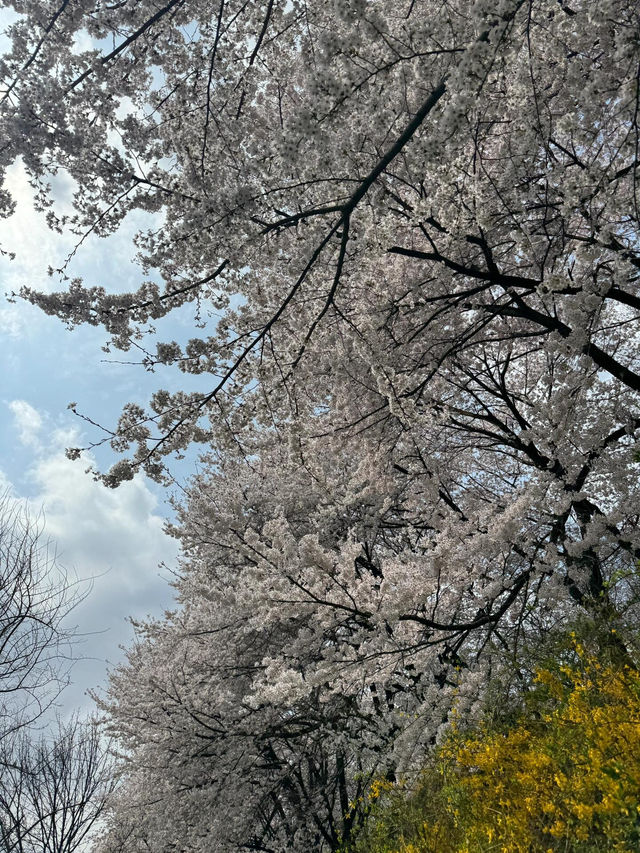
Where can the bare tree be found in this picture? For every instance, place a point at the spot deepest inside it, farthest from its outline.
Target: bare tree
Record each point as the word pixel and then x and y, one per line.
pixel 53 790
pixel 35 598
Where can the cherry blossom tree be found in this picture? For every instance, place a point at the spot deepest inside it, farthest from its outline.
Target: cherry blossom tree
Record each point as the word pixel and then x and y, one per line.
pixel 409 232
pixel 304 153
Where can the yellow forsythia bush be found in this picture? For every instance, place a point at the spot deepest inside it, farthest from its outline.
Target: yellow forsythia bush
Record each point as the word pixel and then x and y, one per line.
pixel 564 777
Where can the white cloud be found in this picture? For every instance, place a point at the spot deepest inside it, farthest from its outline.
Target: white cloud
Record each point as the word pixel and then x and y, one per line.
pixel 99 529
pixel 82 41
pixel 114 537
pixel 27 422
pixel 11 323
pixel 26 233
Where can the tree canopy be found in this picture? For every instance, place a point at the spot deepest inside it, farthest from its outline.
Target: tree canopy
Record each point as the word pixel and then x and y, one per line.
pixel 409 233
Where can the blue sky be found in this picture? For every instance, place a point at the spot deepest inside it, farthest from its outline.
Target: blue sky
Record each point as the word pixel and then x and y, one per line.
pixel 115 537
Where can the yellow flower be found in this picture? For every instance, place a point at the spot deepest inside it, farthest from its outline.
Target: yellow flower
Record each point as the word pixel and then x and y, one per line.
pixel 570 774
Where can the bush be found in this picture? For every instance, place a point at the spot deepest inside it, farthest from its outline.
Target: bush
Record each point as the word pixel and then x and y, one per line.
pixel 563 776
